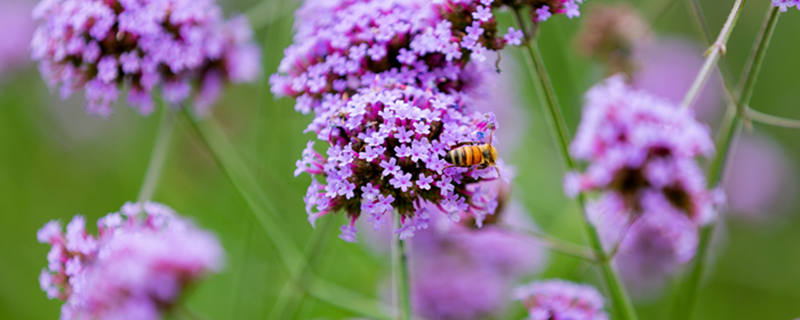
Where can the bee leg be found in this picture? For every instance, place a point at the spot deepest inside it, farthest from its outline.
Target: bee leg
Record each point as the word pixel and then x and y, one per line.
pixel 496 168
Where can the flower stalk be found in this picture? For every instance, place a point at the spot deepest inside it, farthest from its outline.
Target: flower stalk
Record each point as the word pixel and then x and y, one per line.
pixel 265 212
pixel 402 284
pixel 538 73
pixel 158 156
pixel 713 54
pixel 728 133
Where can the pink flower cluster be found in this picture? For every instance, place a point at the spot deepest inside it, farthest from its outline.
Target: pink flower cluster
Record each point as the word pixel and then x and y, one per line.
pixel 137 267
pixel 557 299
pixel 786 4
pixel 641 152
pixel 101 46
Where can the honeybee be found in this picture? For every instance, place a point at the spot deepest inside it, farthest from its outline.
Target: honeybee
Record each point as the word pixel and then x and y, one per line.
pixel 467 155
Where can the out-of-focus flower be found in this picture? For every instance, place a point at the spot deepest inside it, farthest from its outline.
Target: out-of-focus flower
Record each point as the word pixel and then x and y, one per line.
pixel 16 28
pixel 786 4
pixel 102 46
pixel 758 181
pixel 464 273
pixel 650 248
pixel 641 152
pixel 618 37
pixel 610 34
pixel 558 299
pixel 386 153
pixel 667 67
pixel 461 271
pixel 136 267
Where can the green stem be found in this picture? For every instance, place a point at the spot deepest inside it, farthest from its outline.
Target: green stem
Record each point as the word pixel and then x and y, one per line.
pixel 158 155
pixel 713 55
pixel 716 171
pixel 265 12
pixel 236 171
pixel 294 289
pixel 557 245
pixel 538 73
pixel 772 120
pixel 402 285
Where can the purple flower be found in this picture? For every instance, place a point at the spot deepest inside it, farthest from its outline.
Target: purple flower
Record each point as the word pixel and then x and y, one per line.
pixel 666 68
pixel 543 13
pixel 137 266
pixel 641 152
pixel 786 4
pixel 558 299
pixel 413 165
pixel 141 45
pixel 513 37
pixel 483 14
pixel 397 41
pixel 756 194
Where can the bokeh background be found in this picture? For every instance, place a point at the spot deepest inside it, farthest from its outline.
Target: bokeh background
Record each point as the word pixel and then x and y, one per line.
pixel 55 161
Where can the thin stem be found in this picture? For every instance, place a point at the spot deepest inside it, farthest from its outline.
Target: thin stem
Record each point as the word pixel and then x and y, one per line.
pixel 557 245
pixel 238 174
pixel 772 120
pixel 728 134
pixel 294 289
pixel 348 300
pixel 158 156
pixel 265 12
pixel 714 53
pixel 538 73
pixel 402 285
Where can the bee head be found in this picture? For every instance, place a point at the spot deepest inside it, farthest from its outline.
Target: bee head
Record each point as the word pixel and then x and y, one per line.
pixel 490 154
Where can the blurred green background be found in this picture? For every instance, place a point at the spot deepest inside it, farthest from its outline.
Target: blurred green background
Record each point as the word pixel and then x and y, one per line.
pixel 57 161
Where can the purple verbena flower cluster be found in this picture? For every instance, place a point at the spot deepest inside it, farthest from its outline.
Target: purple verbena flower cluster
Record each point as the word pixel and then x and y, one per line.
pixel 340 46
pixel 136 267
pixel 557 299
pixel 387 145
pixel 103 46
pixel 641 152
pixel 786 4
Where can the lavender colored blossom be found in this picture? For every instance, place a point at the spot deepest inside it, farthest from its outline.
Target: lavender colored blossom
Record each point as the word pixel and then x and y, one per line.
pixel 758 181
pixel 103 46
pixel 784 5
pixel 666 68
pixel 558 299
pixel 385 154
pixel 641 152
pixel 136 267
pixel 618 36
pixel 16 29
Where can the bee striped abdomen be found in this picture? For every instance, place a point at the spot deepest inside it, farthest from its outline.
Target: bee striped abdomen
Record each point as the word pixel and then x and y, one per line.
pixel 465 156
